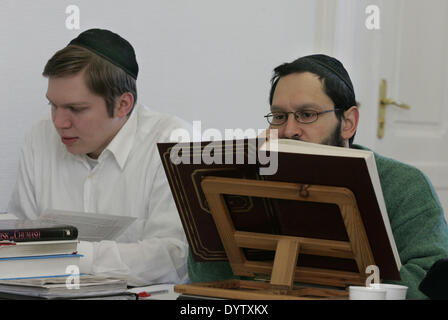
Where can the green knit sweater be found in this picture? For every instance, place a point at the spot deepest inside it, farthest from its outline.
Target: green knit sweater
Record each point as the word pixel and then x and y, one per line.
pixel 416 218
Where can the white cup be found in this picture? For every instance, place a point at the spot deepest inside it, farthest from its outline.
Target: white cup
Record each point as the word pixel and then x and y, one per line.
pixel 366 293
pixel 393 291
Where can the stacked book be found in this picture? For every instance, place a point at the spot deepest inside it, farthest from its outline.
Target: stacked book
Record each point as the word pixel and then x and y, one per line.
pixel 89 287
pixel 39 260
pixel 30 249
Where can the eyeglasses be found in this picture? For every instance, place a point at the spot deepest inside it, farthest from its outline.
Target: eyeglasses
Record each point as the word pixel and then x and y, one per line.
pixel 303 116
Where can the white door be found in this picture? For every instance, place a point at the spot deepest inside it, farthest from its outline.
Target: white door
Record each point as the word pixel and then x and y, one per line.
pixel 410 52
pixel 416 68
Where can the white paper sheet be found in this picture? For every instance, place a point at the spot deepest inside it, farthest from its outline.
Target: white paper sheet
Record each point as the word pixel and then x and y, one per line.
pixel 91 226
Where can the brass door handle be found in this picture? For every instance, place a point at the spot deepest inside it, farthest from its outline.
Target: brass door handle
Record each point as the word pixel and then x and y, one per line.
pixel 383 102
pixel 391 101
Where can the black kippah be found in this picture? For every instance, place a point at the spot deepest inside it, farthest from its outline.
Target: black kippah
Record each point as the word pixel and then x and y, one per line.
pixel 333 65
pixel 110 46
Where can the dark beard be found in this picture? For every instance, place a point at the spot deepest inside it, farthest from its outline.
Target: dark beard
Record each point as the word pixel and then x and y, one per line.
pixel 334 139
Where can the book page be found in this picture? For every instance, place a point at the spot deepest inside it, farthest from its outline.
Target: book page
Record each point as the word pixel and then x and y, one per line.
pixel 54 282
pixel 58 287
pixel 373 172
pixel 297 146
pixel 91 226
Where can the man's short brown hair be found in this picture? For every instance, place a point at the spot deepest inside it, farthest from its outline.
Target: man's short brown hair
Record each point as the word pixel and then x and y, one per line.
pixel 102 77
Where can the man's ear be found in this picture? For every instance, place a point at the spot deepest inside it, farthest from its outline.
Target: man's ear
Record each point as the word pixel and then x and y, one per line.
pixel 350 122
pixel 124 104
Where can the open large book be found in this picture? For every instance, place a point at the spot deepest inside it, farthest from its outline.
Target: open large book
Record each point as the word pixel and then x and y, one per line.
pixel 298 162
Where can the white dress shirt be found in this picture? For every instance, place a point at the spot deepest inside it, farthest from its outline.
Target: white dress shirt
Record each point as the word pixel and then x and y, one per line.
pixel 128 179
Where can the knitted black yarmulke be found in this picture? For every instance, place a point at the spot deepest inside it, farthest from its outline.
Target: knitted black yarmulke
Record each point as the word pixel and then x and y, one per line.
pixel 333 65
pixel 110 46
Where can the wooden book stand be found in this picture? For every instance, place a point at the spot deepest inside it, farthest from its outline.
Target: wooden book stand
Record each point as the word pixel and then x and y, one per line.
pixel 284 270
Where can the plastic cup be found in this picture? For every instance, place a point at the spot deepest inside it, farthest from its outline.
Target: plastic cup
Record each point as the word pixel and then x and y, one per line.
pixel 366 293
pixel 393 291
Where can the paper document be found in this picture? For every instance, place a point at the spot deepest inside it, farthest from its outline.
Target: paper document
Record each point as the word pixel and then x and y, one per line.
pixel 54 287
pixel 91 226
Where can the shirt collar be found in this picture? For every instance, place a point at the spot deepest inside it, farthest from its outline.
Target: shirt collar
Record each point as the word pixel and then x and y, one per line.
pixel 122 143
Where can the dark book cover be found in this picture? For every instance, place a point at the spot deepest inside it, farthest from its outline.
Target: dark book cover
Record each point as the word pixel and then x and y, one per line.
pixel 35 230
pixel 276 216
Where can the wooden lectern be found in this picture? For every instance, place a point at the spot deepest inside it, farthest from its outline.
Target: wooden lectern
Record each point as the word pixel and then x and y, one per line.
pixel 283 271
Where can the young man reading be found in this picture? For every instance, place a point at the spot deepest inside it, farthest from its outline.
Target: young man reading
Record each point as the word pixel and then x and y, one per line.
pixel 312 99
pixel 98 154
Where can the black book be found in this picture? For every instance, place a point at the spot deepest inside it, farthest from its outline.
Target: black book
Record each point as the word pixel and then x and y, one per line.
pixel 35 230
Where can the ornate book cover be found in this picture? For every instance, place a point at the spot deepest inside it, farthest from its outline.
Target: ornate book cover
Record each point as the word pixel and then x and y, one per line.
pixel 278 216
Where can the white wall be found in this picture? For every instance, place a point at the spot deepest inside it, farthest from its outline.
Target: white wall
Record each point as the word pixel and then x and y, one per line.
pixel 416 136
pixel 208 60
